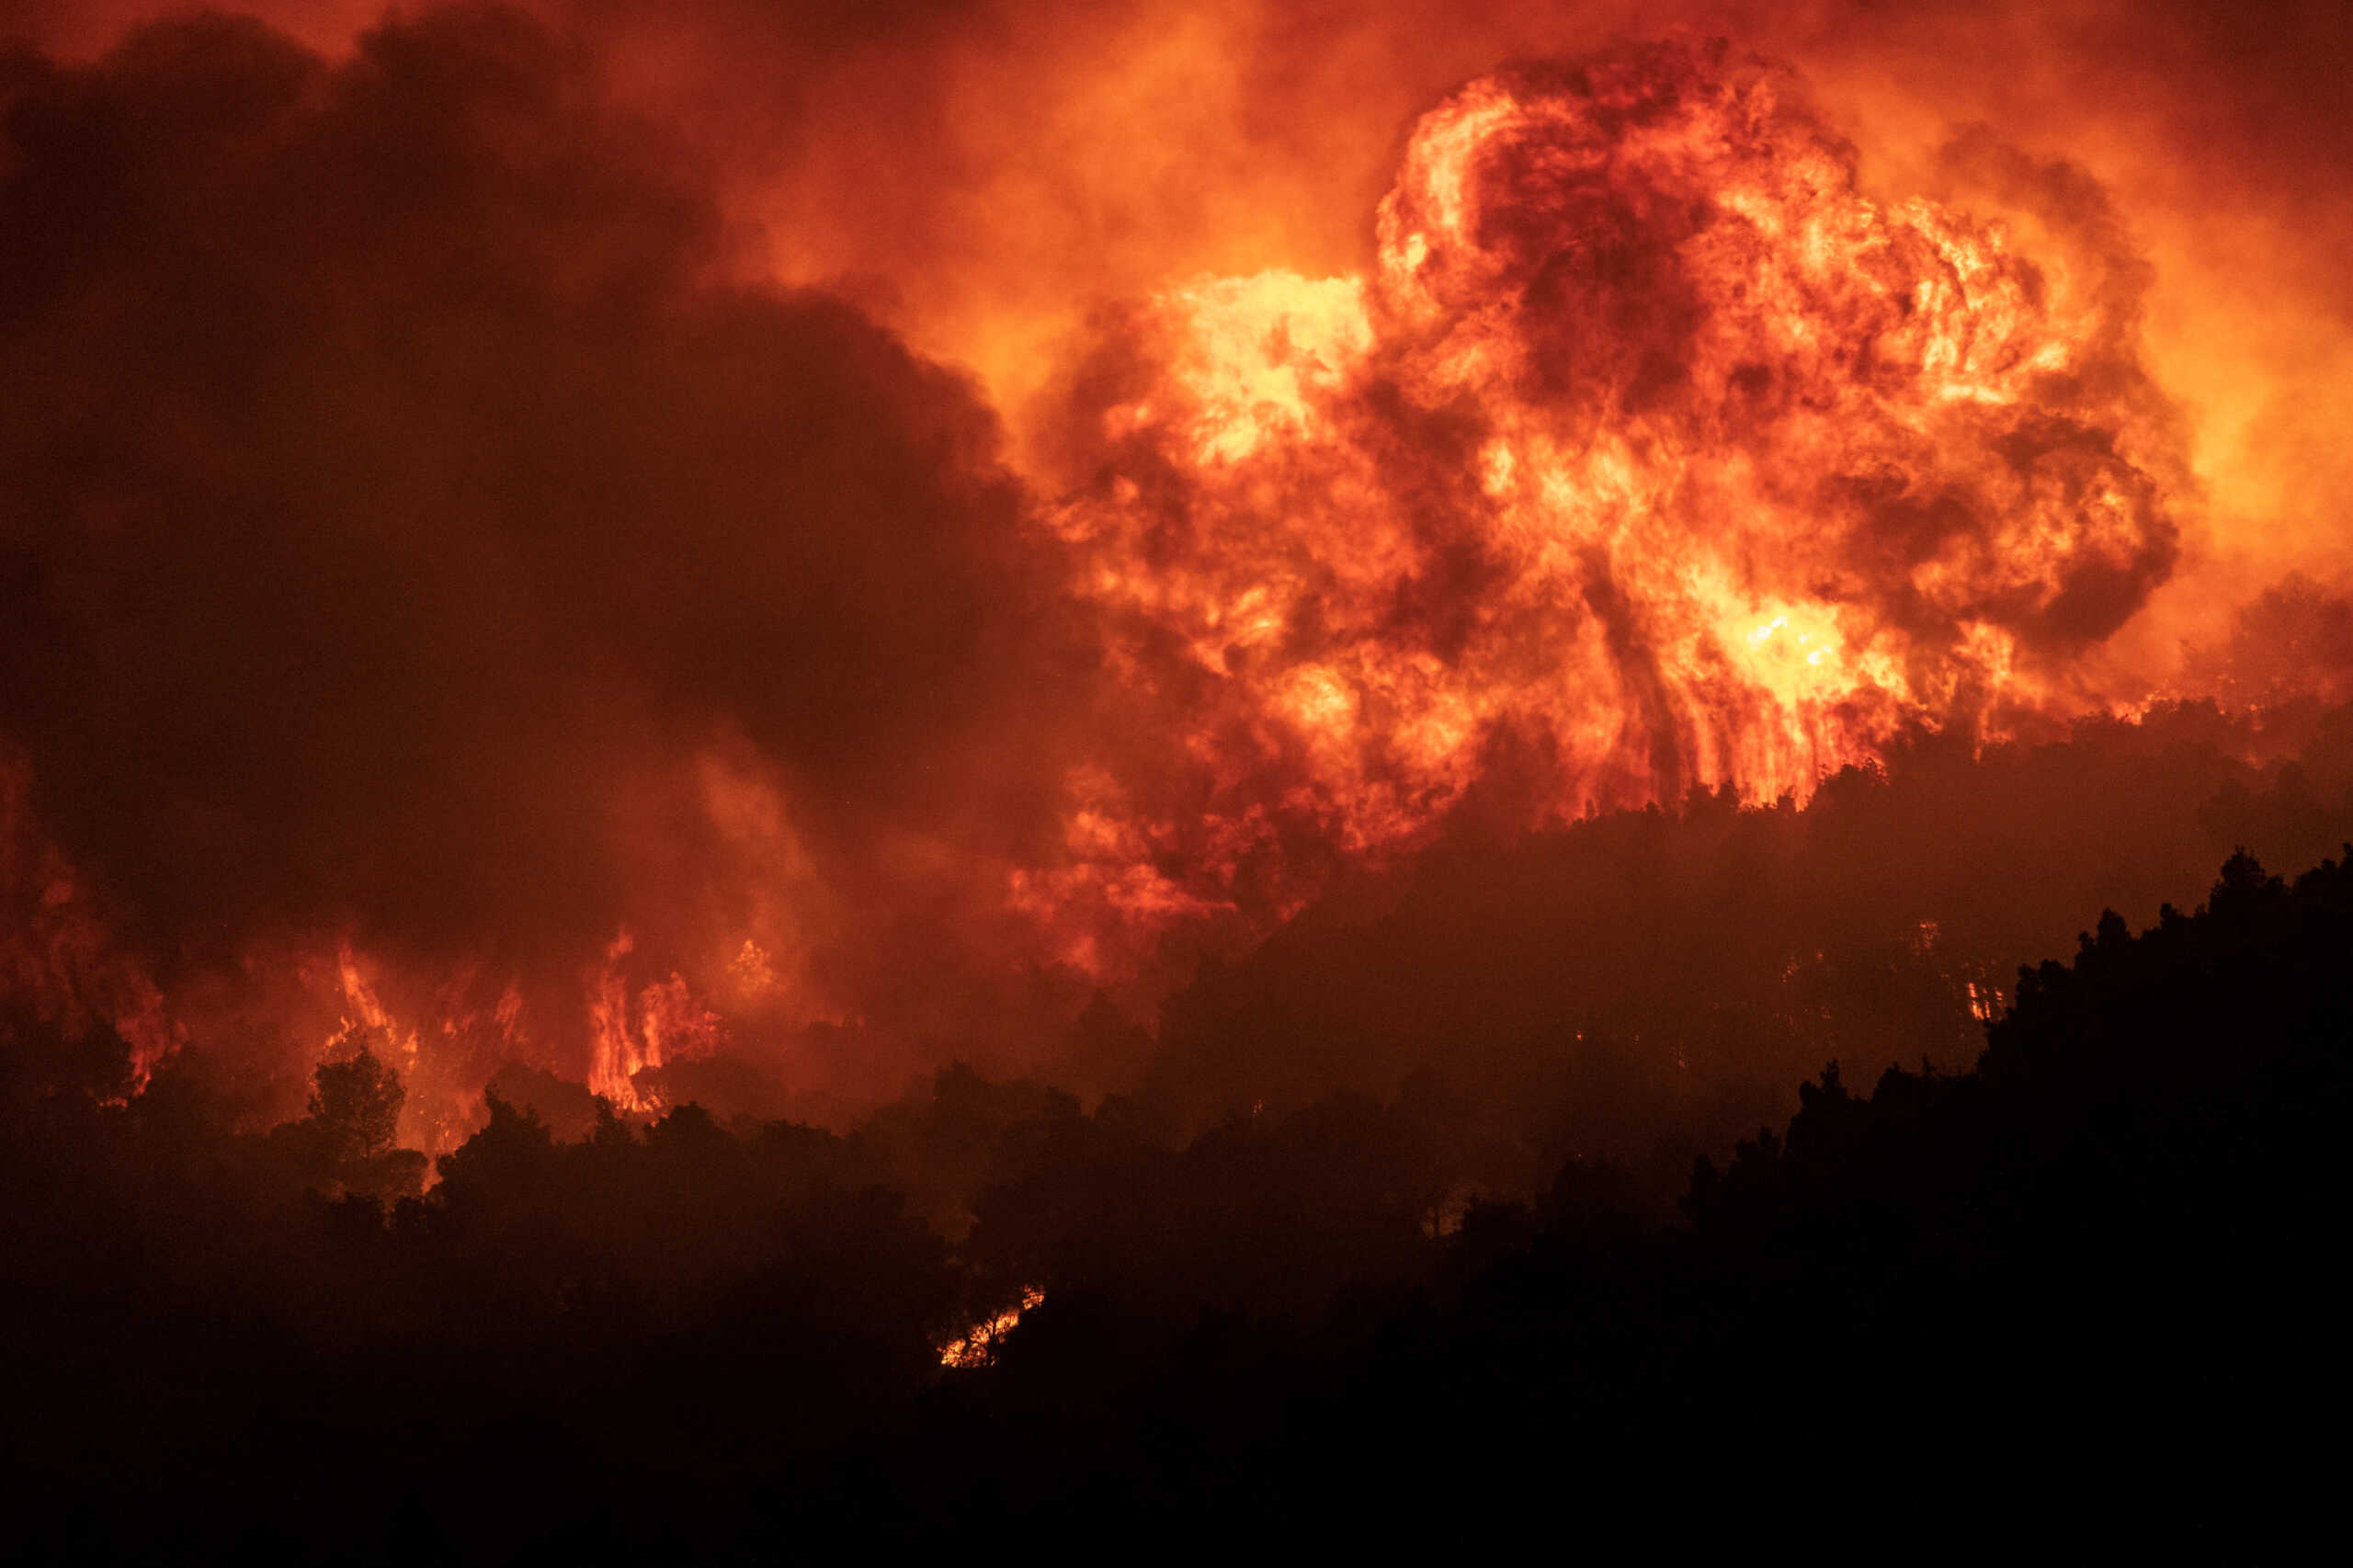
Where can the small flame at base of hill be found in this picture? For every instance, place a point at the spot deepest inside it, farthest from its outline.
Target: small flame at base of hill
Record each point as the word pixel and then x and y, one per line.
pixel 978 1345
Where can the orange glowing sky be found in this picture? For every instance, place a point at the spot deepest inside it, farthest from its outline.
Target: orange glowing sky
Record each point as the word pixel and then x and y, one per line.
pixel 985 174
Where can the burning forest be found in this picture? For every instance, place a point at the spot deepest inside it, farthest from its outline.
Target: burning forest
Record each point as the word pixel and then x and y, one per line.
pixel 914 773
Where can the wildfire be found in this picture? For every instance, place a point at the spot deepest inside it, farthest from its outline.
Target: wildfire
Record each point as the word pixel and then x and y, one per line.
pixel 1647 450
pixel 663 1022
pixel 56 956
pixel 978 1344
pixel 1652 445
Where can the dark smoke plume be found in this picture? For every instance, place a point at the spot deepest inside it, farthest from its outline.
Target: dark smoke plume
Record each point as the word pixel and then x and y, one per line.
pixel 403 531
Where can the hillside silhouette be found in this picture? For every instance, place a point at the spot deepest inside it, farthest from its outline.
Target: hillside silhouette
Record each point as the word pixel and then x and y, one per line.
pixel 691 1341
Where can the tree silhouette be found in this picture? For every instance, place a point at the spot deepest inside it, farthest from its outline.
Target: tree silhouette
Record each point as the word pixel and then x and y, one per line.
pixel 356 1106
pixel 1314 1308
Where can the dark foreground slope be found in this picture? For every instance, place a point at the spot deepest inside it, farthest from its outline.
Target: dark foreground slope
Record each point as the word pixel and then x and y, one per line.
pixel 2099 1267
pixel 2106 1252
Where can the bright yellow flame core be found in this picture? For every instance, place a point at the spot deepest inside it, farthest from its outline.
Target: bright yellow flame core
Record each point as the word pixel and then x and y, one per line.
pixel 1258 349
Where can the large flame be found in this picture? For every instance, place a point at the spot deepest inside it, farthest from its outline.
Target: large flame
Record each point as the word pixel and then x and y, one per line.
pixel 1652 444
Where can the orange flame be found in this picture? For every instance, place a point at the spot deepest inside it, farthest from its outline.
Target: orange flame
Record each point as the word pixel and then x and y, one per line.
pixel 629 1035
pixel 977 1347
pixel 1650 443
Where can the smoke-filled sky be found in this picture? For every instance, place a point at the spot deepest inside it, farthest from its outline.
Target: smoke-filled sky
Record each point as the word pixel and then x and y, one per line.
pixel 558 529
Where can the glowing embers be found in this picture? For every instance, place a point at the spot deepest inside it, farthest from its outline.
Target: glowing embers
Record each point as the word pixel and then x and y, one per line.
pixel 978 1345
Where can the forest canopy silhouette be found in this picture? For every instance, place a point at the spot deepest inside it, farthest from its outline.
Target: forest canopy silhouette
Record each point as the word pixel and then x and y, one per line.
pixel 741 1321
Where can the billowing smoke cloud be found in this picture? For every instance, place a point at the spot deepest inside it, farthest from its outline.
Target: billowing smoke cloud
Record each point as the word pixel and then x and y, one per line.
pixel 403 536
